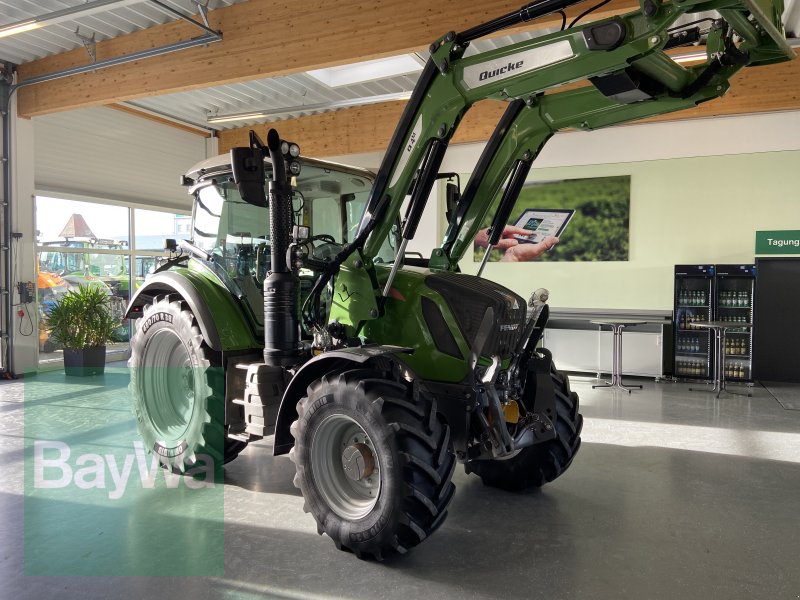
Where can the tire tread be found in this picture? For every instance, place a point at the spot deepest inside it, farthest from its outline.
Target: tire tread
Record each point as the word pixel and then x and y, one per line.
pixel 425 460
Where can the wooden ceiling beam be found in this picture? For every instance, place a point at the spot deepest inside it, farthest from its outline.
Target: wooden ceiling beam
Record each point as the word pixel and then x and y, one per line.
pixel 262 38
pixel 369 128
pixel 158 119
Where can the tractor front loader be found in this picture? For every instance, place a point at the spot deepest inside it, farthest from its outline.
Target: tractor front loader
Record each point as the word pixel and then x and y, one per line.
pixel 294 310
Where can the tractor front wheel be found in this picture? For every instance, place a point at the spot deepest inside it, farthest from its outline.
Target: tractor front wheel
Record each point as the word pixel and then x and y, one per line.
pixel 373 462
pixel 178 388
pixel 542 463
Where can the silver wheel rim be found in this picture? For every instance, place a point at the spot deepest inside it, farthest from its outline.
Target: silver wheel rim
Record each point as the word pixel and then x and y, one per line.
pixel 348 497
pixel 166 377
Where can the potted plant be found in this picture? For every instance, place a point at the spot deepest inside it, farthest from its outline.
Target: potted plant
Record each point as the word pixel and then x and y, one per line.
pixel 81 321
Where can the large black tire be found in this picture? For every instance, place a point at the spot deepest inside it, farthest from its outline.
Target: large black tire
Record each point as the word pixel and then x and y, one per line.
pixel 403 442
pixel 178 388
pixel 542 463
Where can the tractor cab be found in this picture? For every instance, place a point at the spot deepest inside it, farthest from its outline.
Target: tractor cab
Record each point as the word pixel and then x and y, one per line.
pixel 232 233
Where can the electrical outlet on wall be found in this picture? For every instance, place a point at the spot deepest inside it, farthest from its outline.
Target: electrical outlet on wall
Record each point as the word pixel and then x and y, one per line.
pixel 25 291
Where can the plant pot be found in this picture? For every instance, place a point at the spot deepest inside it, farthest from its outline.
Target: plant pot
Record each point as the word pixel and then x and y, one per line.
pixel 85 361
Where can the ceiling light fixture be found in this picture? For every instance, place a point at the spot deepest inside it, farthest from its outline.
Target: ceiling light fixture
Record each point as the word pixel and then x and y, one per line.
pixel 369 70
pixel 59 16
pixel 276 112
pixel 20 27
pixel 237 117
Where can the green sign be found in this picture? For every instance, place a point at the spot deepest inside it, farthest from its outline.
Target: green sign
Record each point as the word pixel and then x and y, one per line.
pixel 778 242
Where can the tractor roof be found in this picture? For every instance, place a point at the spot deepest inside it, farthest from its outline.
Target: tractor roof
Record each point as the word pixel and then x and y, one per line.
pixel 222 164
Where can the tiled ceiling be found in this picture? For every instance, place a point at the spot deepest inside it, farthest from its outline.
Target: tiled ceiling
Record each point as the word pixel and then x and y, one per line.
pixel 285 96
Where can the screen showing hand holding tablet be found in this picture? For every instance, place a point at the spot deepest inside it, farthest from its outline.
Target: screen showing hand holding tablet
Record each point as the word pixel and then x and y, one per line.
pixel 542 223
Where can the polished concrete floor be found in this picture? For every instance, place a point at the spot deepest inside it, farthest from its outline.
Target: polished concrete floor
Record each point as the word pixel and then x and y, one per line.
pixel 674 494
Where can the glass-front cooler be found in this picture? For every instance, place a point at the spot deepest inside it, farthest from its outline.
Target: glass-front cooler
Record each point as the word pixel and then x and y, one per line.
pixel 692 345
pixel 733 301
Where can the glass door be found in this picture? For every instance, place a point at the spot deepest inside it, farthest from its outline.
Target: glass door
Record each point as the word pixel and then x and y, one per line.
pixel 692 305
pixel 734 303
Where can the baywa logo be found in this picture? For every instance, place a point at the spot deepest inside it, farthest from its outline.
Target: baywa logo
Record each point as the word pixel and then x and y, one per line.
pixel 52 469
pixel 508 68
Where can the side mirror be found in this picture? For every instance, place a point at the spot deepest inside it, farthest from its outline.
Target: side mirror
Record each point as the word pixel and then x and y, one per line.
pixel 452 196
pixel 248 174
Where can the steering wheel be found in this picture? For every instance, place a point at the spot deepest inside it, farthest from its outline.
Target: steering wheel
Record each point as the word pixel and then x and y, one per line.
pixel 319 255
pixel 322 237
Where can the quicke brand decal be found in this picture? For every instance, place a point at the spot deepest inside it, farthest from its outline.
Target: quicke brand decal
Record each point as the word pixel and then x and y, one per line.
pixel 526 61
pixel 512 66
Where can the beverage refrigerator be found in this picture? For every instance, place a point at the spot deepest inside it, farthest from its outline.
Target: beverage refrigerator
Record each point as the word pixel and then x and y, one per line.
pixel 693 346
pixel 713 293
pixel 734 291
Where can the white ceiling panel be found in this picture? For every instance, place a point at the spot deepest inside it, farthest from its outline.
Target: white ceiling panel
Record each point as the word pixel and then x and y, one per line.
pixel 121 18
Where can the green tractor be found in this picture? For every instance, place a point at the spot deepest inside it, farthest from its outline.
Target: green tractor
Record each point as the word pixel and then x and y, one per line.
pixel 294 310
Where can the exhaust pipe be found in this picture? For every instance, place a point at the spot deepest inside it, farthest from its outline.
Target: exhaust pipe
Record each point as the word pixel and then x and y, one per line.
pixel 281 328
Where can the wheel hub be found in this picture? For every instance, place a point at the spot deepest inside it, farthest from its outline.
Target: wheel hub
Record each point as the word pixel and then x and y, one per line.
pixel 167 378
pixel 358 461
pixel 346 466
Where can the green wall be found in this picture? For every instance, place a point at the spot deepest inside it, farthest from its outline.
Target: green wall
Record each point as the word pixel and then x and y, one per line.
pixel 688 210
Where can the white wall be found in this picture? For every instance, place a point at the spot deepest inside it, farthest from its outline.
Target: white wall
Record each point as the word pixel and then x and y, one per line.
pixel 682 211
pixel 104 153
pixel 656 141
pixel 25 347
pixel 699 190
pixel 95 153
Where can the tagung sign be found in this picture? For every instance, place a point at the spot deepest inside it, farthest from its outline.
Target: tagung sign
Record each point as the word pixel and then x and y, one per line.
pixel 778 242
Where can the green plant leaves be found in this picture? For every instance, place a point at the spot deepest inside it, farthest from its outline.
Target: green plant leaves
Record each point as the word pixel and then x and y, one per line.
pixel 82 318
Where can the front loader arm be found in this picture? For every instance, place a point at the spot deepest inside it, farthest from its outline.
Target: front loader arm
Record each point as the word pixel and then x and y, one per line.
pixel 631 44
pixel 533 124
pixel 631 77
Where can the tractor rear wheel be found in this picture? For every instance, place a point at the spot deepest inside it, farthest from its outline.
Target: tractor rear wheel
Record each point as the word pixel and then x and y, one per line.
pixel 541 463
pixel 373 461
pixel 178 388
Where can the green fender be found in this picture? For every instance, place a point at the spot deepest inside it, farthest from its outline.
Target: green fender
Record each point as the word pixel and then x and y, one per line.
pixel 221 319
pixel 327 362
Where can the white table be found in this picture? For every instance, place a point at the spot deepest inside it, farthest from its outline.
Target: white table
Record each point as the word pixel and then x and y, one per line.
pixel 617 325
pixel 720 329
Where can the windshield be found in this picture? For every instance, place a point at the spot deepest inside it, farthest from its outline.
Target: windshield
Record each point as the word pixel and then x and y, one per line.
pixel 331 203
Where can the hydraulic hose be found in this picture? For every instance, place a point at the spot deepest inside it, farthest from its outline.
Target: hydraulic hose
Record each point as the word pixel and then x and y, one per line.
pixel 529 12
pixel 281 329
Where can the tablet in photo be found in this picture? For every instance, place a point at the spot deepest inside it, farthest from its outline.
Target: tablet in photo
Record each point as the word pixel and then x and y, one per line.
pixel 542 223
